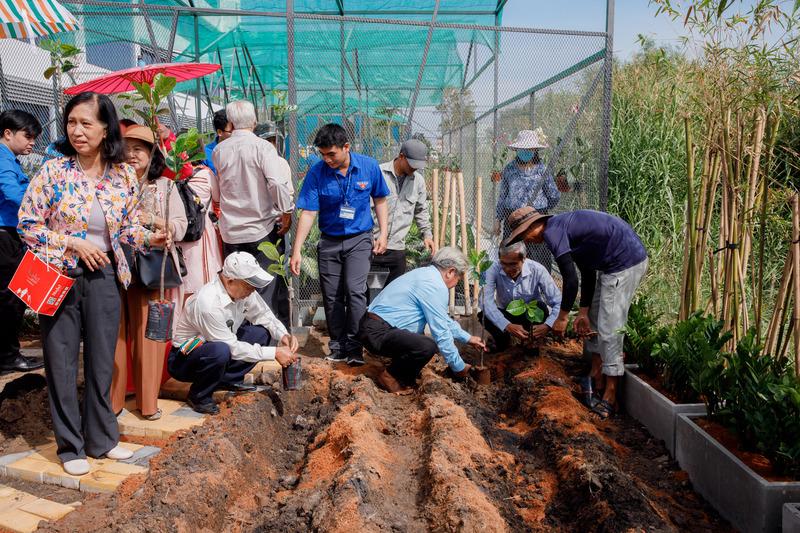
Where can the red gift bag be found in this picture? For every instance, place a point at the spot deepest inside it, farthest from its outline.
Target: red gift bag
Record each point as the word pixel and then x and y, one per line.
pixel 40 285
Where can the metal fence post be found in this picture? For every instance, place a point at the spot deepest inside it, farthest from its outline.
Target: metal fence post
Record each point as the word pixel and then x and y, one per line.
pixel 605 142
pixel 532 109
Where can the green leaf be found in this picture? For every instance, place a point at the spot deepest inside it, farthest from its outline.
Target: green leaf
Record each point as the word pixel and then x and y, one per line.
pixel 164 85
pixel 535 314
pixel 47 44
pixel 163 111
pixel 276 270
pixel 49 72
pixel 69 50
pixel 67 67
pixel 270 250
pixel 516 307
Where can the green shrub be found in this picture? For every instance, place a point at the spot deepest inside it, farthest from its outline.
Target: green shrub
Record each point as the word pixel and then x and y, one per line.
pixel 643 335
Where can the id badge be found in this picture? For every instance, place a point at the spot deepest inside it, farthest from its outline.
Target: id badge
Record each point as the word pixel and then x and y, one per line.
pixel 347 212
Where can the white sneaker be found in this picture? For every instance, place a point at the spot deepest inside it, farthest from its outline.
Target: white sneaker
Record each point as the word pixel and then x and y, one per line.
pixel 118 452
pixel 76 467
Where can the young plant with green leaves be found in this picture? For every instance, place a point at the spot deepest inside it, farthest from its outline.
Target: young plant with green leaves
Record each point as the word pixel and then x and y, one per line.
pixel 480 265
pixel 278 269
pixel 531 310
pixel 61 56
pixel 278 113
pixel 643 335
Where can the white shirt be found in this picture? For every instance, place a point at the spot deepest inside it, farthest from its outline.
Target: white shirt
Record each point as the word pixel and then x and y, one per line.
pixel 213 315
pixel 287 172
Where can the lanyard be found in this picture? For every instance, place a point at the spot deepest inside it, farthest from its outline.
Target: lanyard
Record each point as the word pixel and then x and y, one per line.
pixel 344 191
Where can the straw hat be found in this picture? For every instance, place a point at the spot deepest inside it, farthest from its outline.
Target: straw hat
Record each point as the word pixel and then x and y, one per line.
pixel 530 140
pixel 520 220
pixel 142 133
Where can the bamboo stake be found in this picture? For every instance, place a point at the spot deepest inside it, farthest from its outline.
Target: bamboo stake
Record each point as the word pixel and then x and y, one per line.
pixel 687 289
pixel 462 212
pixel 435 191
pixel 445 207
pixel 775 321
pixel 796 269
pixel 452 235
pixel 478 230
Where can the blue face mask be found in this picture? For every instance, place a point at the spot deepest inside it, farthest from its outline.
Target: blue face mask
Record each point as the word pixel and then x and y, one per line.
pixel 525 155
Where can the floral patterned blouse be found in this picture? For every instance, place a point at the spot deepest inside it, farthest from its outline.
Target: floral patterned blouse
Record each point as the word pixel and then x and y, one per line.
pixel 58 203
pixel 518 186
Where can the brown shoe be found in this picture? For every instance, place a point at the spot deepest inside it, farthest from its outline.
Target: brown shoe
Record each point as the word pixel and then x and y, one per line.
pixel 388 382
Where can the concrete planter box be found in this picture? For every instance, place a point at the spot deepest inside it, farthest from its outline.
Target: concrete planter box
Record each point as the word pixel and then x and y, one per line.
pixel 791 517
pixel 654 410
pixel 748 501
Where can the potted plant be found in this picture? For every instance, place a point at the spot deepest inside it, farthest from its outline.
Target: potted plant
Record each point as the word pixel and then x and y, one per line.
pixel 532 312
pixel 479 267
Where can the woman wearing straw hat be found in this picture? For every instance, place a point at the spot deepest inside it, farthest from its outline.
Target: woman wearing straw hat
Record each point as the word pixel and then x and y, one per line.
pixel 526 181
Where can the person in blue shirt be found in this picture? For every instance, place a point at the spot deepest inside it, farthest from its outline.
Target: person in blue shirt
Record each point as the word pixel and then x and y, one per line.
pixel 19 131
pixel 224 129
pixel 340 187
pixel 512 278
pixel 594 242
pixel 394 324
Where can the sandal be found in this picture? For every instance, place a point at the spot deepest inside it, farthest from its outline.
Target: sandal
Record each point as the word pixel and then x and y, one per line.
pixel 602 411
pixel 154 416
pixel 588 396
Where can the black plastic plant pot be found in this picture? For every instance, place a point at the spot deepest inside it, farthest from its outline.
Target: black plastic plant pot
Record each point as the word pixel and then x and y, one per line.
pixel 291 376
pixel 159 321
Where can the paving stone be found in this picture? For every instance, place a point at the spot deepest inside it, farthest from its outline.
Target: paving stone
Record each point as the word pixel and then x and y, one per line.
pixel 46 509
pixel 14 500
pixel 57 476
pixel 30 469
pixel 130 446
pixel 19 521
pixel 141 456
pixel 6 491
pixel 48 452
pixel 100 481
pixel 6 460
pixel 176 424
pixel 124 469
pixel 187 412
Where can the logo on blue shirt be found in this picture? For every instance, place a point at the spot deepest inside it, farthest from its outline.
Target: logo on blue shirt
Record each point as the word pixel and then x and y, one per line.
pixel 362 184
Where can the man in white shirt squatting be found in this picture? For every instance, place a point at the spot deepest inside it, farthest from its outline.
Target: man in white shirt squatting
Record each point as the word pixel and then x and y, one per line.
pixel 211 349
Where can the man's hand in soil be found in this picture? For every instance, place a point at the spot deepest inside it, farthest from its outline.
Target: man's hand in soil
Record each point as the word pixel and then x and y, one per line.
pixel 476 342
pixel 515 330
pixel 464 372
pixel 560 325
pixel 290 341
pixel 582 327
pixel 284 356
pixel 539 331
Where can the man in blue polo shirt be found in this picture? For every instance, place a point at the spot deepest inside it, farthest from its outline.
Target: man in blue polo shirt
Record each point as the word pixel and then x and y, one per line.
pixel 594 242
pixel 340 187
pixel 18 132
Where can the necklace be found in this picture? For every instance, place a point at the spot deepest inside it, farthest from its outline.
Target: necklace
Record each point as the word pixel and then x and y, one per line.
pixel 80 167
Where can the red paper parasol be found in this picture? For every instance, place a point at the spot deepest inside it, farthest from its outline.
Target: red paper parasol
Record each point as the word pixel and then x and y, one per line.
pixel 120 81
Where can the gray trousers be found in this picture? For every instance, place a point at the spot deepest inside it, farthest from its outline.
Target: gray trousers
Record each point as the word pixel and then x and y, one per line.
pixel 344 264
pixel 92 306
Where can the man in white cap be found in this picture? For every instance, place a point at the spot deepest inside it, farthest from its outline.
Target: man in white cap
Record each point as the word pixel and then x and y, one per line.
pixel 407 203
pixel 211 349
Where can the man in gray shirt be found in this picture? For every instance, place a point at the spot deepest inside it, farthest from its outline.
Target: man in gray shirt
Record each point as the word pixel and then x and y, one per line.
pixel 407 202
pixel 254 200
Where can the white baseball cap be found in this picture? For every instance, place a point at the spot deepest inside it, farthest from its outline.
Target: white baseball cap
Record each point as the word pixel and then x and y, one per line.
pixel 241 265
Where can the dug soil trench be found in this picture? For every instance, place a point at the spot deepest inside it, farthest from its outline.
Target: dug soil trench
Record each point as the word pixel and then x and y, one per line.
pixel 519 454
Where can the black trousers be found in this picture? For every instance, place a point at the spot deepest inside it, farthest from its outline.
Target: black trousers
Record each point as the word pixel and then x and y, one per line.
pixel 12 309
pixel 394 260
pixel 409 352
pixel 93 306
pixel 501 337
pixel 276 294
pixel 210 364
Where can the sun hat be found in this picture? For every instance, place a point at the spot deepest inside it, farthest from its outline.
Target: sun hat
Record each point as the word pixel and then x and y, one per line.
pixel 266 130
pixel 520 220
pixel 241 265
pixel 142 133
pixel 416 153
pixel 530 140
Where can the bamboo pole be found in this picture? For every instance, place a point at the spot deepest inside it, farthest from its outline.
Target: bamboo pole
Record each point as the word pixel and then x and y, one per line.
pixel 452 235
pixel 478 231
pixel 462 212
pixel 435 191
pixel 775 320
pixel 796 270
pixel 445 207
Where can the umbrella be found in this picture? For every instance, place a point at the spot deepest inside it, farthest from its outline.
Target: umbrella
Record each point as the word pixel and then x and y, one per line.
pixel 120 81
pixel 34 18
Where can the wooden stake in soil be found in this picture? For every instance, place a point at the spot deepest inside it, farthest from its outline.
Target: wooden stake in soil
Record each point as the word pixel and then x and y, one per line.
pixel 796 268
pixel 462 212
pixel 478 230
pixel 452 235
pixel 435 191
pixel 445 206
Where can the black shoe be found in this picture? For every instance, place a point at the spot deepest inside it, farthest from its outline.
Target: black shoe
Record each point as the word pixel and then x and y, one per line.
pixel 207 408
pixel 337 356
pixel 355 358
pixel 236 387
pixel 20 363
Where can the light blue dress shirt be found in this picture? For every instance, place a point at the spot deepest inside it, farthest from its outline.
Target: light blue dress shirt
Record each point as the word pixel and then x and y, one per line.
pixel 417 298
pixel 532 283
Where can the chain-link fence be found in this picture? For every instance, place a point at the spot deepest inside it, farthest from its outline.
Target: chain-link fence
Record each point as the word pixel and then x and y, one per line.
pixel 446 74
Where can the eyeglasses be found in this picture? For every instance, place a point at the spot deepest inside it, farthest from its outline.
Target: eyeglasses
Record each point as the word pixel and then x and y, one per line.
pixel 227 131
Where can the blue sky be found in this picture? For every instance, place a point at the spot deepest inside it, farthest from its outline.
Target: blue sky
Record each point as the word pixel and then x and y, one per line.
pixel 632 17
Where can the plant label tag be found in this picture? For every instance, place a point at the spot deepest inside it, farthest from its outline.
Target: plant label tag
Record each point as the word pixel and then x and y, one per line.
pixel 347 212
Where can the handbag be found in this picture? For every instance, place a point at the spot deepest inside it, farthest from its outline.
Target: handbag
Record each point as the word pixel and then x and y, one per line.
pixel 148 269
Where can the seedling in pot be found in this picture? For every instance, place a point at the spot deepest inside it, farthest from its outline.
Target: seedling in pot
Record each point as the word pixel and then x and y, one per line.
pixel 532 311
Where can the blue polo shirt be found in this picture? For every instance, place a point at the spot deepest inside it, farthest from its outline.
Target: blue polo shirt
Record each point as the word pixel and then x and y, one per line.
pixel 208 149
pixel 13 184
pixel 596 240
pixel 324 191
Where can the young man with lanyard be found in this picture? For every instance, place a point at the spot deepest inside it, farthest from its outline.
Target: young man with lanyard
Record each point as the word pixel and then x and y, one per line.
pixel 340 187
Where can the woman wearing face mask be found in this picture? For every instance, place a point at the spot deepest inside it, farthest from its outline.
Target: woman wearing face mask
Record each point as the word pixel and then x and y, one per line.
pixel 522 178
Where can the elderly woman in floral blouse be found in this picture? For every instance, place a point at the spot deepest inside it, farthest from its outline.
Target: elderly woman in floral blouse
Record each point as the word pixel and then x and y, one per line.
pixel 75 213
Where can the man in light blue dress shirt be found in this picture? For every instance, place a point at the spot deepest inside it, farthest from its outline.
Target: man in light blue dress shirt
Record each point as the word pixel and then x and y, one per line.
pixel 394 324
pixel 512 278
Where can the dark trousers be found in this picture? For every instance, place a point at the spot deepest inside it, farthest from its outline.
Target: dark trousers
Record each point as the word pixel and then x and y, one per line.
pixel 409 352
pixel 394 260
pixel 344 264
pixel 501 337
pixel 276 294
pixel 93 306
pixel 210 364
pixel 12 309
